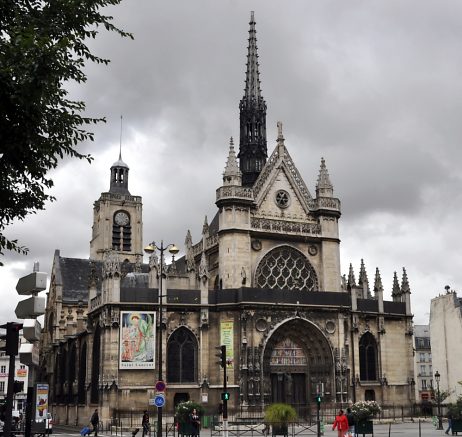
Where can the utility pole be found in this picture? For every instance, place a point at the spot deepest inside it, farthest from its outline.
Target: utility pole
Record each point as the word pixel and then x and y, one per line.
pixel 224 395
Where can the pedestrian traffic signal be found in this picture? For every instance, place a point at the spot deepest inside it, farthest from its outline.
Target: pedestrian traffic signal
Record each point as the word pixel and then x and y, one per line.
pixel 222 355
pixel 318 399
pixel 18 386
pixel 225 396
pixel 11 338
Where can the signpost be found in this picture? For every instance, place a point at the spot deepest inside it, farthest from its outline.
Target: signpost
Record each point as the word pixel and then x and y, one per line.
pixel 31 308
pixel 159 400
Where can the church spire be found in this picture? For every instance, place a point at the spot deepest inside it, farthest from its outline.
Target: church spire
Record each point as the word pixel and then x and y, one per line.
pixel 378 287
pixel 324 187
pixel 252 107
pixel 232 175
pixel 119 171
pixel 396 290
pixel 119 177
pixel 351 277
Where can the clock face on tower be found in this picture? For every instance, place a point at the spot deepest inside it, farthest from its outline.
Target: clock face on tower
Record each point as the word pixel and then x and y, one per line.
pixel 122 218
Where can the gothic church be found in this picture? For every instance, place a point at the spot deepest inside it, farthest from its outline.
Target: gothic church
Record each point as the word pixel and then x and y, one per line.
pixel 264 279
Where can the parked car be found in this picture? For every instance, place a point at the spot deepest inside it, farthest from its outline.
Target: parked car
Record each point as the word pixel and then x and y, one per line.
pixel 49 424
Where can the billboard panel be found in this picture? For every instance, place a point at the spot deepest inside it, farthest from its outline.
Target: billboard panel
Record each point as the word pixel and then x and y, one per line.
pixel 137 340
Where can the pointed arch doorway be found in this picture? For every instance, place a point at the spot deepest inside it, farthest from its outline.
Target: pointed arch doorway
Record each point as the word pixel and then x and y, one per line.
pixel 297 356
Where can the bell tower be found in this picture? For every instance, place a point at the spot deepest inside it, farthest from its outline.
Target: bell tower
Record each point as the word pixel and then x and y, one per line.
pixel 117 218
pixel 252 108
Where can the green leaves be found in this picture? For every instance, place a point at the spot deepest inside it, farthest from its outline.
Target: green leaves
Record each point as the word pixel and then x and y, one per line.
pixel 42 47
pixel 279 414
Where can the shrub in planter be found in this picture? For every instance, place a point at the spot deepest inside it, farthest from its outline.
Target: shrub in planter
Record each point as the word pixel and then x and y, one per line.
pixel 363 410
pixel 184 409
pixel 279 416
pixel 182 412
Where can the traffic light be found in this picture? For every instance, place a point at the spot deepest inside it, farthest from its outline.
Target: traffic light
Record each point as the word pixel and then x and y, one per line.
pixel 18 386
pixel 11 337
pixel 222 356
pixel 225 396
pixel 318 399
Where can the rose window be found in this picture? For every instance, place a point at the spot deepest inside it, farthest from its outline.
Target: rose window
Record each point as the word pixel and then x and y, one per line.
pixel 286 268
pixel 282 199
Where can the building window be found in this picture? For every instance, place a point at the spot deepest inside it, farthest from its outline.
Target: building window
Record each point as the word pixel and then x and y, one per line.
pixel 182 357
pixel 424 384
pixel 3 369
pixel 286 268
pixel 282 199
pixel 368 358
pixel 22 366
pixel 95 366
pixel 2 387
pixel 423 370
pixel 422 357
pixel 81 393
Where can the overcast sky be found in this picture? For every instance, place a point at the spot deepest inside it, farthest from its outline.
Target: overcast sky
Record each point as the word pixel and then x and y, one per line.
pixel 373 87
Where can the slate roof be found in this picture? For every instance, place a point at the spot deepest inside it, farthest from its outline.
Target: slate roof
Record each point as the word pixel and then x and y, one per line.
pixel 74 274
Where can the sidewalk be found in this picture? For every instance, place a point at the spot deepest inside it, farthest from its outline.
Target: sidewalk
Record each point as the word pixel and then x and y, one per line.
pixel 406 429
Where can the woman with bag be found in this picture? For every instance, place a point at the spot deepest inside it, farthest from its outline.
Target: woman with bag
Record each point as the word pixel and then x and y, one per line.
pixel 341 423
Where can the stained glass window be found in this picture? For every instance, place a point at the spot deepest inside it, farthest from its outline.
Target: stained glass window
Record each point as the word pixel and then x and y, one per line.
pixel 182 356
pixel 368 357
pixel 287 353
pixel 286 268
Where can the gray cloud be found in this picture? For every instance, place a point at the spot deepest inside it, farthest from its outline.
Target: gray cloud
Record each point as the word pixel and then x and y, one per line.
pixel 373 87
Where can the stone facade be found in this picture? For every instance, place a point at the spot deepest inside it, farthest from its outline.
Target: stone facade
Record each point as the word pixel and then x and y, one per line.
pixel 264 279
pixel 446 335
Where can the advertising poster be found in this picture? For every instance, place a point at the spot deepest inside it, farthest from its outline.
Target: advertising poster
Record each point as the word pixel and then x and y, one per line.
pixel 41 402
pixel 226 338
pixel 137 340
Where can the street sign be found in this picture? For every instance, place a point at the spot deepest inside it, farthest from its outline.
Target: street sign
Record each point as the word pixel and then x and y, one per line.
pixel 152 401
pixel 159 400
pixel 30 308
pixel 31 330
pixel 32 283
pixel 160 386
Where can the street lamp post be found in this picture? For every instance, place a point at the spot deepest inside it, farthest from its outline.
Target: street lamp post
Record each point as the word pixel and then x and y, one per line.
pixel 438 399
pixel 149 249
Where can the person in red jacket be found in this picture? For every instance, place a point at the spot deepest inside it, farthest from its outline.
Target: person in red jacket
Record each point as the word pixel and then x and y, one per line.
pixel 341 423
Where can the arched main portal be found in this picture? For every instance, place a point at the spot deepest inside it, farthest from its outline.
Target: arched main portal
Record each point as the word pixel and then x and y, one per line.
pixel 297 356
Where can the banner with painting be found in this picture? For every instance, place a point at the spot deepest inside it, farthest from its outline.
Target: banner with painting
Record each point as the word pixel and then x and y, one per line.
pixel 227 339
pixel 137 340
pixel 41 402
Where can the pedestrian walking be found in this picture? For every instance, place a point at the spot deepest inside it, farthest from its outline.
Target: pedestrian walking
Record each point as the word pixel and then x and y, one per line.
pixel 95 422
pixel 449 416
pixel 145 424
pixel 351 423
pixel 341 423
